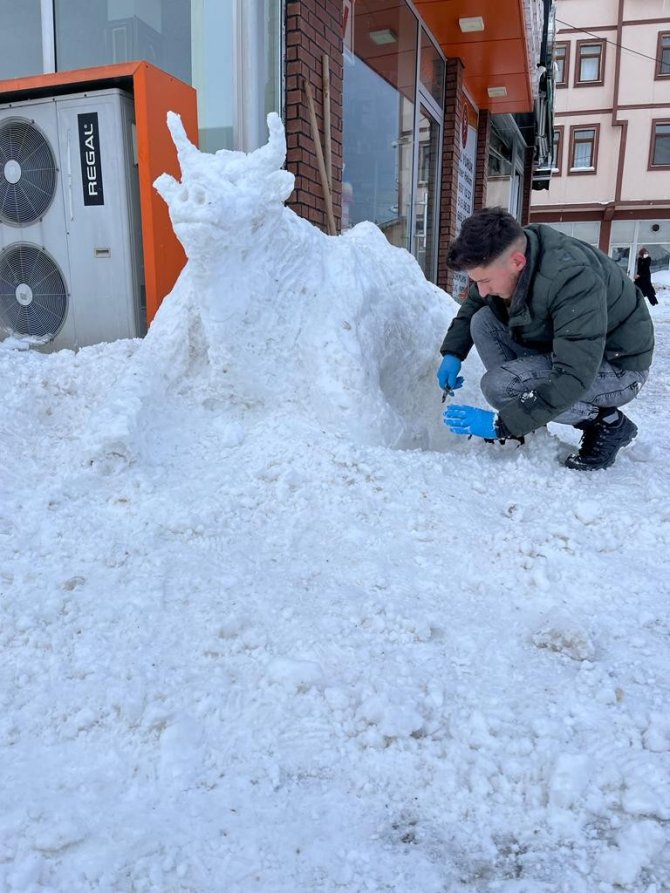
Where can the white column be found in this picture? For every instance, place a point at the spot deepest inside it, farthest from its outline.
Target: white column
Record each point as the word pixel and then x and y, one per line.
pixel 48 37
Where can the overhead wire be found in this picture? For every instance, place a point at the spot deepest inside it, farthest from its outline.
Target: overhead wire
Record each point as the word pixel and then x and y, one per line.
pixel 611 42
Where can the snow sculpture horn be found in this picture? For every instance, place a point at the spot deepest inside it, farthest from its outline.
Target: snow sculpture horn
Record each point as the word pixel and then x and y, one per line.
pixel 228 190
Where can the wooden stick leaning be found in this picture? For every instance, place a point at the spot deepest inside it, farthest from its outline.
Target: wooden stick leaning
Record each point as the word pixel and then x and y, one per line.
pixel 328 147
pixel 330 217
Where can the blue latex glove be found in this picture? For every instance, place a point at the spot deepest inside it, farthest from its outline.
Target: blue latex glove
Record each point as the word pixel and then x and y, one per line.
pixel 447 374
pixel 470 420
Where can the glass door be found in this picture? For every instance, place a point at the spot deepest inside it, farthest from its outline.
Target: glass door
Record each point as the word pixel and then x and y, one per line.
pixel 428 155
pixel 426 193
pixel 379 107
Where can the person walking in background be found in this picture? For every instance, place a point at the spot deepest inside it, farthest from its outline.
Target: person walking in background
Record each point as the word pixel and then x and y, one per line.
pixel 563 333
pixel 643 276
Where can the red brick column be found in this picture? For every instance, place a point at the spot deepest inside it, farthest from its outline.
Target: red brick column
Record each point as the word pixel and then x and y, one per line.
pixel 313 29
pixel 482 164
pixel 451 154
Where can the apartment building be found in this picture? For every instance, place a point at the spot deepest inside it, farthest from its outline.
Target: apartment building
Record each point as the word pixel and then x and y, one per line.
pixel 610 183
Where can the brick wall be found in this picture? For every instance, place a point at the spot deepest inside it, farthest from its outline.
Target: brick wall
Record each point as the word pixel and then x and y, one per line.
pixel 481 167
pixel 451 154
pixel 313 29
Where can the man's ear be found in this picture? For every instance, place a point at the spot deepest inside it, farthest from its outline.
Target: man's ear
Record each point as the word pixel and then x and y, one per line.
pixel 519 260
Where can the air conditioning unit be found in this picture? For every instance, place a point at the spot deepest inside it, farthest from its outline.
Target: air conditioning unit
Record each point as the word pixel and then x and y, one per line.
pixel 71 268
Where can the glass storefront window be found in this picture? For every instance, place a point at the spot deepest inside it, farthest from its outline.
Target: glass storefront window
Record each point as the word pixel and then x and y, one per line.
pixel 620 254
pixel 256 24
pixel 660 257
pixel 500 169
pixel 392 130
pixel 229 50
pixel 500 156
pixel 587 230
pixel 432 69
pixel 379 112
pixel 213 77
pixel 626 256
pixel 628 236
pixel 100 32
pixel 622 231
pixel 426 202
pixel 505 167
pixel 20 38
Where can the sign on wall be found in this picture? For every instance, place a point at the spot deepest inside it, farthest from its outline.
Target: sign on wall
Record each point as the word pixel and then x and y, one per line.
pixel 465 192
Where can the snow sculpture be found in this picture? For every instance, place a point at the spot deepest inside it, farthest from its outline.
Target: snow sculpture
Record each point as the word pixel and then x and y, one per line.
pixel 270 312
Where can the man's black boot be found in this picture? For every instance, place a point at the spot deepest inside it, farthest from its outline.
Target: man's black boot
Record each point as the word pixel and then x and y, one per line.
pixel 602 439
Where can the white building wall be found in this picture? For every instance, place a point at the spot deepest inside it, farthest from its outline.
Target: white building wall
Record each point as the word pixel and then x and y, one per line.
pixel 625 107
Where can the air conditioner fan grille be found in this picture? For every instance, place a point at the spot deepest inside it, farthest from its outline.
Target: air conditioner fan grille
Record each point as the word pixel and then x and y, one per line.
pixel 27 173
pixel 33 295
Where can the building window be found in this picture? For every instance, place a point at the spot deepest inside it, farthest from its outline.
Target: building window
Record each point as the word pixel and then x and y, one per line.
pixel 590 67
pixel 504 182
pixel 561 64
pixel 659 156
pixel 21 51
pixel 663 56
pixel 93 32
pixel 557 150
pixel 583 149
pixel 501 154
pixel 229 51
pixel 587 231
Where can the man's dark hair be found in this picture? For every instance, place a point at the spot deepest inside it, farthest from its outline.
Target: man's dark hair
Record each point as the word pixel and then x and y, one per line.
pixel 483 238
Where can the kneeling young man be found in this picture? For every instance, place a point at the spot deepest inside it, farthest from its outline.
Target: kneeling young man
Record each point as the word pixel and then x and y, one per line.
pixel 565 336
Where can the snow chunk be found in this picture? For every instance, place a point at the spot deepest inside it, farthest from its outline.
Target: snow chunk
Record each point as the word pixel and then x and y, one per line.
pixel 636 847
pixel 295 674
pixel 393 720
pixel 588 511
pixel 558 632
pixel 57 835
pixel 569 780
pixel 657 734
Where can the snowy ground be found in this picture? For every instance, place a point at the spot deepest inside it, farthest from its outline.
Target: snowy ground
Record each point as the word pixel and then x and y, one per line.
pixel 265 625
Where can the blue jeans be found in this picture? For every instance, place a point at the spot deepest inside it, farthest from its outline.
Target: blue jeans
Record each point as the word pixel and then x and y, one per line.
pixel 512 369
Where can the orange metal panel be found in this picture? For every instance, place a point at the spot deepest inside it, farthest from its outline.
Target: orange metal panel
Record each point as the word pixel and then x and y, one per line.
pixel 503 19
pixel 492 57
pixel 155 93
pixel 80 78
pixel 499 51
pixel 515 84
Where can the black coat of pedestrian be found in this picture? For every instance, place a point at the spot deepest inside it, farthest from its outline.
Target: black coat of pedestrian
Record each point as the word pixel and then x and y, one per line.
pixel 643 278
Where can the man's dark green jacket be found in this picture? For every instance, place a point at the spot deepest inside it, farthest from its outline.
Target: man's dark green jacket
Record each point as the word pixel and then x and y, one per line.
pixel 573 302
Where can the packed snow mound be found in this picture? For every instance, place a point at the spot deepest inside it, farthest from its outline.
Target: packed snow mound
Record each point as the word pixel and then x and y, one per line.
pixel 268 658
pixel 270 311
